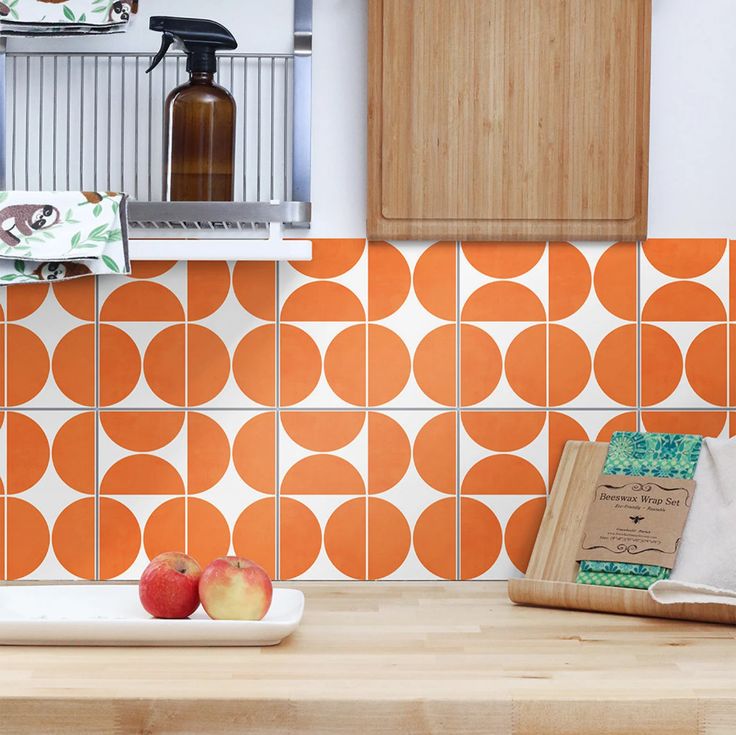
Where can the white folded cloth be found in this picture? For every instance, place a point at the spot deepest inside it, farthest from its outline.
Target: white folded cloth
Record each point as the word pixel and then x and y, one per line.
pixel 65 17
pixel 705 566
pixel 54 236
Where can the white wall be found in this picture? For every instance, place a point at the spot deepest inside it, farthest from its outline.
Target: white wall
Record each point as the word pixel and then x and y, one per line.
pixel 693 137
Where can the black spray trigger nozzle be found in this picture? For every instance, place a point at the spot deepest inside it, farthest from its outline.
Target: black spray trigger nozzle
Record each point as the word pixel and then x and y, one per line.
pixel 166 42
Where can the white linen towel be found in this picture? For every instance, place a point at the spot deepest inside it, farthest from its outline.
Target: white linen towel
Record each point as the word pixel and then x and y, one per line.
pixel 705 566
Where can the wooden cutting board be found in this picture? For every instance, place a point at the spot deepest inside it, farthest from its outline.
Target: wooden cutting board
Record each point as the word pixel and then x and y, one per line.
pixel 508 119
pixel 550 578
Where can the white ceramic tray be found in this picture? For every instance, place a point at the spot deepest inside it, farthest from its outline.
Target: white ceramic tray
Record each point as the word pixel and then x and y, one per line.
pixel 111 615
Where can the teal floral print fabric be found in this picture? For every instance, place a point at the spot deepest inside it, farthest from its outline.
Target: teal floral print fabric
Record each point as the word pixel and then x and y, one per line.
pixel 634 453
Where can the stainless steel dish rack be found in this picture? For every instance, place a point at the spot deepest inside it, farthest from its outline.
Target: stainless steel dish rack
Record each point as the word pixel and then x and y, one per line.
pixel 94 122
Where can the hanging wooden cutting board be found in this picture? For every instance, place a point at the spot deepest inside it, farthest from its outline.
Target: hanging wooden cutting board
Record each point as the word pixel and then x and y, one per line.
pixel 508 119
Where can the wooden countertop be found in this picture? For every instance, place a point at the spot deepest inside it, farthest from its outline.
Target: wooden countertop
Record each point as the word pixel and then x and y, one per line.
pixel 395 657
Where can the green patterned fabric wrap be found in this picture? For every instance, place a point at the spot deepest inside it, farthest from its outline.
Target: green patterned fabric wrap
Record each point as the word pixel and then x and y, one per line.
pixel 630 581
pixel 635 453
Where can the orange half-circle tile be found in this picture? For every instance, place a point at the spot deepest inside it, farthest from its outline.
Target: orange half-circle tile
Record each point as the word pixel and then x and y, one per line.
pixel 434 364
pixel 254 453
pixel 120 538
pixel 163 365
pixel 120 365
pixel 569 365
pixel 254 284
pixel 254 364
pixel 208 452
pixel 503 431
pixel 661 365
pixel 73 538
pixel 300 539
pixel 389 364
pixel 73 365
pixel 208 365
pixel 301 364
pixel 24 300
pixel 526 365
pixel 331 258
pixel 615 280
pixel 151 268
pixel 503 301
pixel 503 259
pixel 389 280
pixel 435 454
pixel 481 365
pixel 434 538
pixel 142 301
pixel 345 538
pixel 389 452
pixel 623 422
pixel 27 365
pixel 323 474
pixel 165 529
pixel 389 538
pixel 208 284
pixel 704 423
pixel 481 538
pixel 208 533
pixel 562 429
pixel 323 431
pixel 684 301
pixel 522 530
pixel 684 258
pixel 142 474
pixel 435 280
pixel 142 431
pixel 27 538
pixel 27 453
pixel 615 364
pixel 73 453
pixel 254 534
pixel 77 297
pixel 705 365
pixel 503 474
pixel 323 301
pixel 569 280
pixel 345 366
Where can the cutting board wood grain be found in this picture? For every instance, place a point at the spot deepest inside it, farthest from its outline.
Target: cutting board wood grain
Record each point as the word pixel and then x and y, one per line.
pixel 550 578
pixel 508 119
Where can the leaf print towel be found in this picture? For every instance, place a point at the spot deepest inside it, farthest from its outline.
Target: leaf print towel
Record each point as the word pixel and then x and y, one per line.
pixel 53 236
pixel 65 17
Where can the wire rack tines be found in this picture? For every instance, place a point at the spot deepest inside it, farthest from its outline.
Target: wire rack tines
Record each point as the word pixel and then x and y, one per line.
pixel 95 122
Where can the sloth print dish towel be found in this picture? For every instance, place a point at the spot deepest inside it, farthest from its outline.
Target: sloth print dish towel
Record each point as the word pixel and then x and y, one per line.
pixel 65 17
pixel 55 236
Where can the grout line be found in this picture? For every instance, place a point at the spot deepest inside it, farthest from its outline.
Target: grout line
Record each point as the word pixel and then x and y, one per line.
pixel 96 551
pixel 185 470
pixel 4 393
pixel 277 416
pixel 638 246
pixel 458 421
pixel 367 400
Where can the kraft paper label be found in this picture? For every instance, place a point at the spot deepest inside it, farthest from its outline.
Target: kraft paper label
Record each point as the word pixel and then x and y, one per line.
pixel 637 520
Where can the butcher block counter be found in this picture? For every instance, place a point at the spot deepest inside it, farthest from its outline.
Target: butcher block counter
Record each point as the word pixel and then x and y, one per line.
pixel 395 658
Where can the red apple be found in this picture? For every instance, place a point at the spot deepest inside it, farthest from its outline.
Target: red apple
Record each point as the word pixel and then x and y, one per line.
pixel 232 588
pixel 169 586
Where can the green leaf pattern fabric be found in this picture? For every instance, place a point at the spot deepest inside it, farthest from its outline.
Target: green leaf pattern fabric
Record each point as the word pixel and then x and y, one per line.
pixel 65 17
pixel 54 236
pixel 635 453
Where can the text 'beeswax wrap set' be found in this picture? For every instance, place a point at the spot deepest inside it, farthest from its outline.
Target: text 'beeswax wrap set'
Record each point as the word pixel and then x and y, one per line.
pixel 65 17
pixel 662 519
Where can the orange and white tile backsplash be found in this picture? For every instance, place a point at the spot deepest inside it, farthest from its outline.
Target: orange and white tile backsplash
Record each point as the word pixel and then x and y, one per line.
pixel 386 411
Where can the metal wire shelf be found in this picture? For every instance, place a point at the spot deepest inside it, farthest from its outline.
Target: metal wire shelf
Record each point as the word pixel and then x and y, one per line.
pixel 95 122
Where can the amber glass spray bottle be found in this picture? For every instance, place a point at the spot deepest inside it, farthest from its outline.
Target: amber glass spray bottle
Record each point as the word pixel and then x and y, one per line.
pixel 200 115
